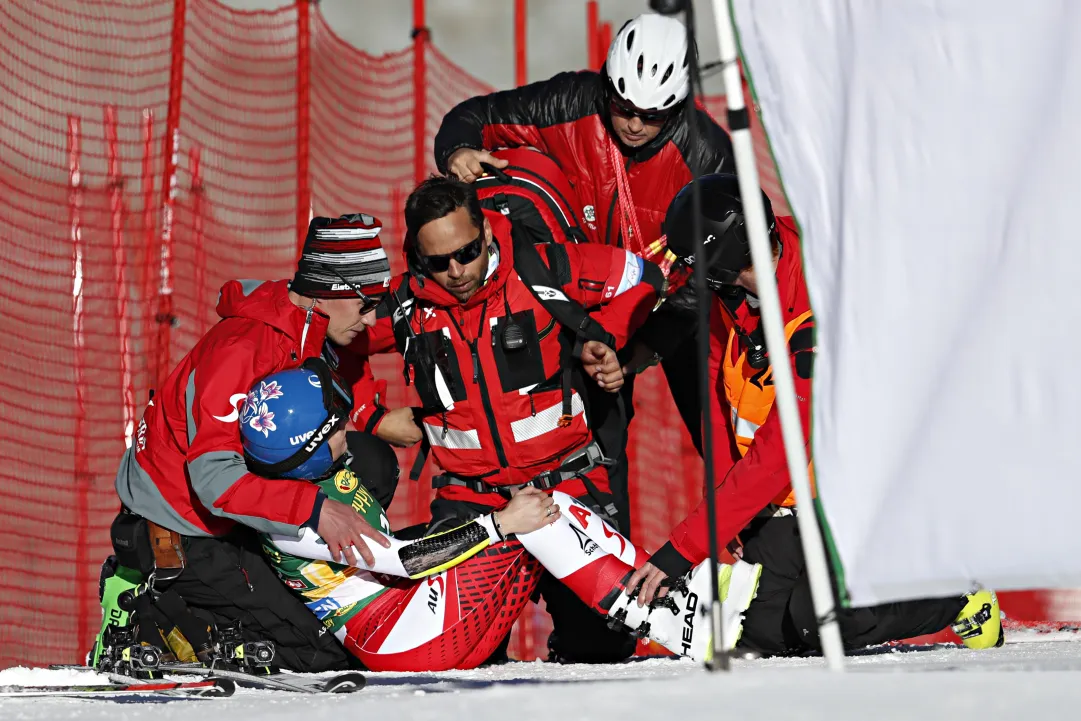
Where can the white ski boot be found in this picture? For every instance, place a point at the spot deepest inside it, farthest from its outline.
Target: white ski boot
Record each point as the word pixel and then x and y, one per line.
pixel 680 621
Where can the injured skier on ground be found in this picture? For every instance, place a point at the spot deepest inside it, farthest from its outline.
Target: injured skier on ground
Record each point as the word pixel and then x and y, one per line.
pixel 448 600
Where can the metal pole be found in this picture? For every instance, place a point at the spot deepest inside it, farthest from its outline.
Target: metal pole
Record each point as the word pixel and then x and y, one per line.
pixel 83 584
pixel 719 660
pixel 520 57
pixel 116 230
pixel 592 35
pixel 773 325
pixel 171 150
pixel 304 193
pixel 420 91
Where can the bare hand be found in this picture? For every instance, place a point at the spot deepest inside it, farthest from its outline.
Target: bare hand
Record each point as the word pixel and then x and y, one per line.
pixel 650 577
pixel 343 529
pixel 601 365
pixel 465 163
pixel 398 428
pixel 529 510
pixel 642 357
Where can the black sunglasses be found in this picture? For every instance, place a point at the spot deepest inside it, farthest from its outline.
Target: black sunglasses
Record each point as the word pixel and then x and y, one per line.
pixel 369 302
pixel 464 255
pixel 621 107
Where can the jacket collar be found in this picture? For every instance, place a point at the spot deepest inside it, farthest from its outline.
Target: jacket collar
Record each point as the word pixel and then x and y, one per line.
pixel 268 302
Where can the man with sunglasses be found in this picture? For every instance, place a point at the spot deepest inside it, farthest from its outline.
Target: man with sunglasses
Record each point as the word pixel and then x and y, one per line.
pixel 756 509
pixel 506 363
pixel 189 501
pixel 615 133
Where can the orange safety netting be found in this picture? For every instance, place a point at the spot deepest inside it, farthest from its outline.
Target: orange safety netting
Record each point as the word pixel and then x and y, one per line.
pixel 115 242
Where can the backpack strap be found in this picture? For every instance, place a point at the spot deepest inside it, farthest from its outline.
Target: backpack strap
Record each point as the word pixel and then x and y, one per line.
pixel 544 284
pixel 401 310
pixel 546 288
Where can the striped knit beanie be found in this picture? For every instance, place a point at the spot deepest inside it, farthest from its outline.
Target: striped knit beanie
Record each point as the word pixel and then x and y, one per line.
pixel 340 253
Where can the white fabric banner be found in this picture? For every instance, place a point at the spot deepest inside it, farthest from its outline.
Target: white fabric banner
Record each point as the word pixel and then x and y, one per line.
pixel 931 152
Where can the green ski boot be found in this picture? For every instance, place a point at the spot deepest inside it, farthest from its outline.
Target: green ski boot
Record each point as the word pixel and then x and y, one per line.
pixel 113 581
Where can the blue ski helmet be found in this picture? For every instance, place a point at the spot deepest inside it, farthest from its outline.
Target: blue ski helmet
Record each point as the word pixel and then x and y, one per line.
pixel 287 419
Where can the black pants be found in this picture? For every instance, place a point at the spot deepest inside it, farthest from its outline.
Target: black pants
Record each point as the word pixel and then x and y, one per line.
pixel 579 634
pixel 781 619
pixel 227 580
pixel 681 372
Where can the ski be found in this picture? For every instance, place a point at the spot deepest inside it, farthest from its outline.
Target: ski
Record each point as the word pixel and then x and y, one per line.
pixel 211 687
pixel 345 682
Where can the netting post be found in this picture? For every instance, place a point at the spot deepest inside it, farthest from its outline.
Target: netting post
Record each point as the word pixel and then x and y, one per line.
pixel 604 39
pixel 420 90
pixel 202 296
pixel 120 275
pixel 82 461
pixel 592 35
pixel 304 66
pixel 171 150
pixel 521 14
pixel 146 294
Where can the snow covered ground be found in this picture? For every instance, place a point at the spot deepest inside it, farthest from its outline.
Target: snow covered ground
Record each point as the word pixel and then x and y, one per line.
pixel 1034 677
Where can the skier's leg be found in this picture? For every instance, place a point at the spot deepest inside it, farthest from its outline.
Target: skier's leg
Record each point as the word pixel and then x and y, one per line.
pixel 518 597
pixel 579 635
pixel 592 559
pixel 450 620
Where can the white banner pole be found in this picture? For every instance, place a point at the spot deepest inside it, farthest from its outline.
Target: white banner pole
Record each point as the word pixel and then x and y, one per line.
pixel 773 325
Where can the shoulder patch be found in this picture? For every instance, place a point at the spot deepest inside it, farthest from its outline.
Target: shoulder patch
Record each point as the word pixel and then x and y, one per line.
pixel 804 337
pixel 804 363
pixel 802 348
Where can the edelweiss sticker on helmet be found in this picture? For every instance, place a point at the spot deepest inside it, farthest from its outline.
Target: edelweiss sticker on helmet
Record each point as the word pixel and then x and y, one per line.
pixel 256 413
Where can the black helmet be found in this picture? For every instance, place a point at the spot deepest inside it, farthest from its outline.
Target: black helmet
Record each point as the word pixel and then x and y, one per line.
pixel 727 250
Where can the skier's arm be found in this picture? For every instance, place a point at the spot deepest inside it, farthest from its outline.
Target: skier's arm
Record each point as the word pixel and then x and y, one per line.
pixel 528 511
pixel 752 482
pixel 411 559
pixel 215 458
pixel 514 118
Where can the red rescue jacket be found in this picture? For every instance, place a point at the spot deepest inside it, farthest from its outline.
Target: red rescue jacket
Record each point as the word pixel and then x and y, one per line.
pixel 566 117
pixel 186 471
pixel 502 429
pixel 749 483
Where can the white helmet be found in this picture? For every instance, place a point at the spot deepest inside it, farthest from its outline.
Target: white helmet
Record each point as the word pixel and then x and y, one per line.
pixel 647 62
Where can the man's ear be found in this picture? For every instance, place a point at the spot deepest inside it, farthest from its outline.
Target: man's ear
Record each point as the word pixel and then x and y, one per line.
pixel 487 233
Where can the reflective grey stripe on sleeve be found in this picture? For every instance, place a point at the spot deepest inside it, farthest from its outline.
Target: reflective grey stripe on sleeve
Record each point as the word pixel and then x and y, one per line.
pixel 213 474
pixel 189 401
pixel 139 493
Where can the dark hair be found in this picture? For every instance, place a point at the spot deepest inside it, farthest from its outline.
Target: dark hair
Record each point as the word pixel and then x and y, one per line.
pixel 438 197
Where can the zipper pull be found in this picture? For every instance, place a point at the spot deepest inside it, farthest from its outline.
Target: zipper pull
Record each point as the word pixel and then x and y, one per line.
pixel 304 333
pixel 476 362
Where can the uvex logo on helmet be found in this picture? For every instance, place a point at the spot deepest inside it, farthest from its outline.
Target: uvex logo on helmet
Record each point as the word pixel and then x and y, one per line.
pixel 322 433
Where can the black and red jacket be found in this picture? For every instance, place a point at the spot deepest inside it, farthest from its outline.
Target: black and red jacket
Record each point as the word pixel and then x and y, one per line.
pixel 747 484
pixel 567 117
pixel 504 425
pixel 186 469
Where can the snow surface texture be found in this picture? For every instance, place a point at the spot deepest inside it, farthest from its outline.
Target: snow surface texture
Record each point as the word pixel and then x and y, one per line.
pixel 1035 676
